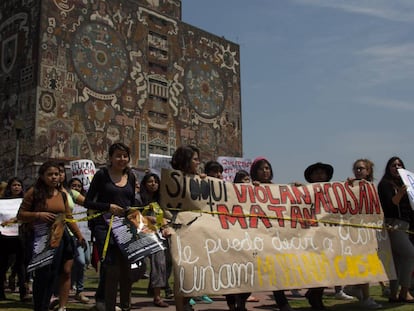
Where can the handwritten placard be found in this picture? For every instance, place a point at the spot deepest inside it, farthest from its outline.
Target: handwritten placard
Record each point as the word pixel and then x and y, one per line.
pixel 84 170
pixel 233 238
pixel 231 165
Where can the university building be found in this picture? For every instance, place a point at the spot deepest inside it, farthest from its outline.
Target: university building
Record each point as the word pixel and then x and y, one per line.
pixel 77 76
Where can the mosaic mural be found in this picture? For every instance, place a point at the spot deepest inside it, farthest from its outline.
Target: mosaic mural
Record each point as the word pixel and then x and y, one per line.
pixel 111 71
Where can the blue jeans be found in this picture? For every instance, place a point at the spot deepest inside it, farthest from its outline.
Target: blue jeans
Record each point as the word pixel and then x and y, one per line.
pixel 78 269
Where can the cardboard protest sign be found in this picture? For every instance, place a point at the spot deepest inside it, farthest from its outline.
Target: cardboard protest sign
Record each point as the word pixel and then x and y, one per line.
pixel 232 238
pixel 158 162
pixel 231 165
pixel 84 170
pixel 46 238
pixel 8 210
pixel 134 236
pixel 408 179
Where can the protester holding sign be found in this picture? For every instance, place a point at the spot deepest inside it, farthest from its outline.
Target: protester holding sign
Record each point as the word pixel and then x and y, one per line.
pixel 363 169
pixel 13 249
pixel 261 172
pixel 187 160
pixel 150 193
pixel 237 302
pixel 111 192
pixel 46 208
pixel 398 215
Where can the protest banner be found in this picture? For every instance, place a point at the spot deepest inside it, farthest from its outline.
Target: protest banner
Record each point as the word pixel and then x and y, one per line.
pixel 8 210
pixel 158 162
pixel 134 236
pixel 84 170
pixel 408 180
pixel 231 165
pixel 232 238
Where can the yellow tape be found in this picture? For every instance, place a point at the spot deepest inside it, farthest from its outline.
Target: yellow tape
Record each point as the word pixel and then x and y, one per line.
pixel 160 214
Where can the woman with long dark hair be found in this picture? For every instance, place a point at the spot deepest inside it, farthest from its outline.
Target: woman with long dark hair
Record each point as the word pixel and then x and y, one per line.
pixel 112 191
pixel 261 172
pixel 41 205
pixel 398 216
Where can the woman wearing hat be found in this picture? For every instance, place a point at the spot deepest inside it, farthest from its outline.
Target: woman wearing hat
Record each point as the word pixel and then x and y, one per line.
pixel 321 172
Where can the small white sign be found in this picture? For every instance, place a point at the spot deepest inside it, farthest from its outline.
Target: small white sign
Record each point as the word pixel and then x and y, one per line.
pixel 408 179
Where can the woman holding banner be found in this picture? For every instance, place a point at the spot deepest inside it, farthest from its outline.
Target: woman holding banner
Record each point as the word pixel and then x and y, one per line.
pixel 398 215
pixel 111 192
pixel 363 169
pixel 46 208
pixel 187 160
pixel 261 172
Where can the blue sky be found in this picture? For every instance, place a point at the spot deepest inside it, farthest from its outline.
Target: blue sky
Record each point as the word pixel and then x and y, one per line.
pixel 321 80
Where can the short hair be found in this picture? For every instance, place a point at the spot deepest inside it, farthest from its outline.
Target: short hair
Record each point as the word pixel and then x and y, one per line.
pixel 213 166
pixel 119 146
pixel 240 175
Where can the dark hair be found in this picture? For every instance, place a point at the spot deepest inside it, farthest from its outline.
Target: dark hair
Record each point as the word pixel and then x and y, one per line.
pixel 8 191
pixel 213 167
pixel 181 159
pixel 64 183
pixel 145 196
pixel 121 147
pixel 80 181
pixel 255 167
pixel 40 191
pixel 387 174
pixel 240 175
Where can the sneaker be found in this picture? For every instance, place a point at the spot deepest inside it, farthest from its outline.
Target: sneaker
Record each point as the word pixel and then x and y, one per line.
pixel 206 299
pixel 354 290
pixel 370 303
pixel 342 296
pixel 192 302
pixel 54 304
pixel 81 297
pixel 296 293
pixel 386 292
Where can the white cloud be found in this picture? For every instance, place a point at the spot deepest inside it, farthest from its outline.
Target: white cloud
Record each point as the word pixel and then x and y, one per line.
pixel 395 10
pixel 388 103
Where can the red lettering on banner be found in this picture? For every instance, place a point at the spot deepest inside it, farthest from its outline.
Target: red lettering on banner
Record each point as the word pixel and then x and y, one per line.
pixel 343 204
pixel 279 210
pixel 301 196
pixel 244 192
pixel 236 216
pixel 286 195
pixel 271 198
pixel 373 198
pixel 306 217
pixel 256 214
pixel 320 199
pixel 351 194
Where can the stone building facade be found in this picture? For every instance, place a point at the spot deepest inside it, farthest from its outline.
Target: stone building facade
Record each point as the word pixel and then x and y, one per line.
pixel 78 75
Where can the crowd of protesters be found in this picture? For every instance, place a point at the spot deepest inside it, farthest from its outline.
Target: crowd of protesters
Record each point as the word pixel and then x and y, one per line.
pixel 114 189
